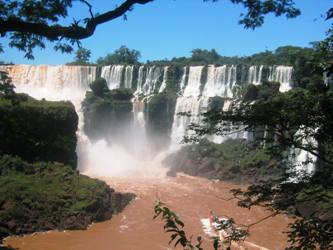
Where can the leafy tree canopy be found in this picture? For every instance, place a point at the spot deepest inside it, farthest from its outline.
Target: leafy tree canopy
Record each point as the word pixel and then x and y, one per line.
pixel 29 23
pixel 285 55
pixel 123 55
pixel 99 87
pixel 7 88
pixel 199 55
pixel 82 57
pixel 299 119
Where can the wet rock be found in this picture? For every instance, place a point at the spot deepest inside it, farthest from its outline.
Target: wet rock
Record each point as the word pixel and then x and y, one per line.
pixel 236 161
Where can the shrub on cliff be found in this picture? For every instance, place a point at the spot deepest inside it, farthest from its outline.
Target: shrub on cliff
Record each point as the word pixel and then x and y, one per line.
pixel 121 94
pixel 159 116
pixel 105 110
pixel 99 87
pixel 234 160
pixel 38 130
pixel 44 196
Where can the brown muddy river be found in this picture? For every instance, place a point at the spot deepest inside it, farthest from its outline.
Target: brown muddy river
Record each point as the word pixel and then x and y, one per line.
pixel 133 229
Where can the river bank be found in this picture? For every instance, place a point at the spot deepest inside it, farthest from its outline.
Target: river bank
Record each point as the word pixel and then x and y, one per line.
pixel 190 197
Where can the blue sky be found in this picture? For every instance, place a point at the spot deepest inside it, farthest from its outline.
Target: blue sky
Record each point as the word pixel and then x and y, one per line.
pixel 168 28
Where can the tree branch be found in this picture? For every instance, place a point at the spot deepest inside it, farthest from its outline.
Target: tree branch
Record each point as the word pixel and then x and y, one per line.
pixel 259 221
pixel 89 7
pixel 74 31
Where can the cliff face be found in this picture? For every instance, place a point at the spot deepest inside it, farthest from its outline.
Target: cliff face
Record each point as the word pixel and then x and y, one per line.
pixel 159 112
pixel 39 130
pixel 107 113
pixel 46 196
pixel 237 161
pixel 40 188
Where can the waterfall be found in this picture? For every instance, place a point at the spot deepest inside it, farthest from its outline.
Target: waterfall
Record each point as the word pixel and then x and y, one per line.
pixel 113 75
pixel 140 142
pixel 252 77
pixel 255 75
pixel 182 81
pixel 328 79
pixel 153 74
pixel 139 86
pixel 281 74
pixel 165 78
pixel 52 77
pixel 189 103
pixel 232 80
pixel 220 81
pixel 215 85
pixel 194 81
pixel 303 161
pixel 71 83
pixel 128 77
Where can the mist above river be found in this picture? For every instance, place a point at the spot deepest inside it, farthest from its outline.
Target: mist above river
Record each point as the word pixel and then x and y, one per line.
pixel 128 154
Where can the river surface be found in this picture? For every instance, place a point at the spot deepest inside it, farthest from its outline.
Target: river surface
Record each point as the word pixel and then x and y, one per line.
pixel 134 229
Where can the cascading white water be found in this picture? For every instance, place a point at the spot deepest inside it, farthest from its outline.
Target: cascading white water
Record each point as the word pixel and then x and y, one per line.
pixel 255 75
pixel 252 77
pixel 140 81
pixel 304 162
pixel 128 77
pixel 165 78
pixel 113 75
pixel 189 102
pixel 182 81
pixel 281 74
pixel 328 79
pixel 71 82
pixel 220 81
pixel 54 77
pixel 213 86
pixel 153 74
pixel 194 81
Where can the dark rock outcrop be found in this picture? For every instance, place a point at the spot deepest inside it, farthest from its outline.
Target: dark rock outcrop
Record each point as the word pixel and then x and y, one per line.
pixel 46 196
pixel 237 161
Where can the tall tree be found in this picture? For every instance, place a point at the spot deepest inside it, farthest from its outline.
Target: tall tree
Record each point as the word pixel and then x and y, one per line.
pixel 29 23
pixel 123 55
pixel 298 119
pixel 205 56
pixel 82 57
